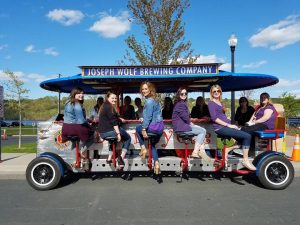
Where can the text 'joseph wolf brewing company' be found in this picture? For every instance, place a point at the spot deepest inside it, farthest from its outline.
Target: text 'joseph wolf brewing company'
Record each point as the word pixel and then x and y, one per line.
pixel 178 70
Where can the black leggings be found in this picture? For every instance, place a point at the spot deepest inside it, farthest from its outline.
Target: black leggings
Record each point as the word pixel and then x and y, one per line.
pixel 251 130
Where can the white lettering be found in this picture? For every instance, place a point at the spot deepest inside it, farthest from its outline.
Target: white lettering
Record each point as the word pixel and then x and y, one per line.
pixel 141 71
pixel 120 72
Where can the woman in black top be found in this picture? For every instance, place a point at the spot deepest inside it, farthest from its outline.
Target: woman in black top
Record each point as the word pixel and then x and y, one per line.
pixel 167 109
pixel 244 112
pixel 200 110
pixel 109 126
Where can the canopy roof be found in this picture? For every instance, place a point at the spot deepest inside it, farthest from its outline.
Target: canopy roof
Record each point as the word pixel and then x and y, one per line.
pixel 164 83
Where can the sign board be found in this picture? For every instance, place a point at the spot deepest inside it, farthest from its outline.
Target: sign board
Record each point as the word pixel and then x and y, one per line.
pixel 1 103
pixel 194 69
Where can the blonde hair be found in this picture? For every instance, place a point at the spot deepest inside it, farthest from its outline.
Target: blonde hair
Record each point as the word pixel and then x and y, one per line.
pixel 216 86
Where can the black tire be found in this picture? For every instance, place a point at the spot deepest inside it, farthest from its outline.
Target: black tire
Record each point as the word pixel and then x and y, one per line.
pixel 276 173
pixel 43 174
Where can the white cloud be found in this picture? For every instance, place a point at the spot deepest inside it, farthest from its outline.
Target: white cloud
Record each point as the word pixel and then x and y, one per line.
pixel 287 83
pixel 112 26
pixel 66 17
pixel 30 49
pixel 51 51
pixel 285 32
pixel 255 65
pixel 225 66
pixel 296 92
pixel 3 47
pixel 31 77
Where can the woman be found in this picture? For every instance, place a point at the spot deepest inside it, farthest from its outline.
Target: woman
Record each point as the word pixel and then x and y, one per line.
pixel 264 116
pixel 151 115
pixel 75 123
pixel 167 109
pixel 181 123
pixel 223 126
pixel 243 112
pixel 140 108
pixel 109 126
pixel 200 110
pixel 94 116
pixel 127 111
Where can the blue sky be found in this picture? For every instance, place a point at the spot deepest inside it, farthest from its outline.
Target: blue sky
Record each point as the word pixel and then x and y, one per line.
pixel 40 39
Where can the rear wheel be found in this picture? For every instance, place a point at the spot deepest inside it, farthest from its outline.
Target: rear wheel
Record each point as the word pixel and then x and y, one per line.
pixel 43 174
pixel 276 173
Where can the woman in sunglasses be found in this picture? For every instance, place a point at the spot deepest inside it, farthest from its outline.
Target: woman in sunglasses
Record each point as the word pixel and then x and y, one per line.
pixel 223 126
pixel 182 124
pixel 243 112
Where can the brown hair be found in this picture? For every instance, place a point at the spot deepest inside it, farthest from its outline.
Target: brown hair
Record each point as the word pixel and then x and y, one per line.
pixel 113 108
pixel 75 91
pixel 264 94
pixel 177 96
pixel 151 88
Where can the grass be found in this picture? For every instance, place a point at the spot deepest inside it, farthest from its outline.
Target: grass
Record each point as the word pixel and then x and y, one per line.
pixel 26 130
pixel 25 148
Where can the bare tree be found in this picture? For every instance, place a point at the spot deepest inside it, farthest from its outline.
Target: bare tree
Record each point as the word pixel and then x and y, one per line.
pixel 16 91
pixel 247 93
pixel 163 26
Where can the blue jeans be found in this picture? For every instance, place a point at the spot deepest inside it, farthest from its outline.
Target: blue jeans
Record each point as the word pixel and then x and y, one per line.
pixel 125 137
pixel 199 131
pixel 241 136
pixel 154 141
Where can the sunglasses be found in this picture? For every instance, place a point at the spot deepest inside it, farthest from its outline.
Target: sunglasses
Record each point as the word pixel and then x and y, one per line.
pixel 184 94
pixel 216 91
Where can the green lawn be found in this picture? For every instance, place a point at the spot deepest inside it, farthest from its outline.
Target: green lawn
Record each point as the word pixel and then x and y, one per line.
pixel 26 130
pixel 25 148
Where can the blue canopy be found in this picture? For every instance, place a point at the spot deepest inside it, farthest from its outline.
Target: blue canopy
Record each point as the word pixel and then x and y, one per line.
pixel 164 83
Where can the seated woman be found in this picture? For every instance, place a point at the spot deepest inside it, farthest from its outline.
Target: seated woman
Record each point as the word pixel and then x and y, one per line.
pixel 140 108
pixel 94 115
pixel 75 123
pixel 167 109
pixel 223 126
pixel 200 110
pixel 109 126
pixel 181 123
pixel 127 111
pixel 151 115
pixel 263 118
pixel 243 112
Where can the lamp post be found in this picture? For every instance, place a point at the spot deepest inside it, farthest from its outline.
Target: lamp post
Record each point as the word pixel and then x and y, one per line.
pixel 58 105
pixel 232 41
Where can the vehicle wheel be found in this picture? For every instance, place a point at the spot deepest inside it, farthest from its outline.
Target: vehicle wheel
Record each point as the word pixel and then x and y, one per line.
pixel 276 173
pixel 43 174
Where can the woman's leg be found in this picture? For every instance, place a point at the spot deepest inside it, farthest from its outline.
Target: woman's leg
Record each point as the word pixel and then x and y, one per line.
pixel 141 139
pixel 154 141
pixel 245 139
pixel 127 140
pixel 109 134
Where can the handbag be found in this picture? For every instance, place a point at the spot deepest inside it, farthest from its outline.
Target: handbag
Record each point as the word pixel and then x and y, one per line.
pixel 157 127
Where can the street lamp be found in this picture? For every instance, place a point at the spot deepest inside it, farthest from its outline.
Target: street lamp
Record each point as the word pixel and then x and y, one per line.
pixel 58 105
pixel 232 41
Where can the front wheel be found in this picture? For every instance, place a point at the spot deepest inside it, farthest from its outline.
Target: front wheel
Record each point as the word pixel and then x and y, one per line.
pixel 43 174
pixel 276 173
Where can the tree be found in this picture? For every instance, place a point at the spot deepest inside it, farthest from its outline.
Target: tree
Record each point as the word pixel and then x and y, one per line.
pixel 291 104
pixel 162 23
pixel 248 94
pixel 16 91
